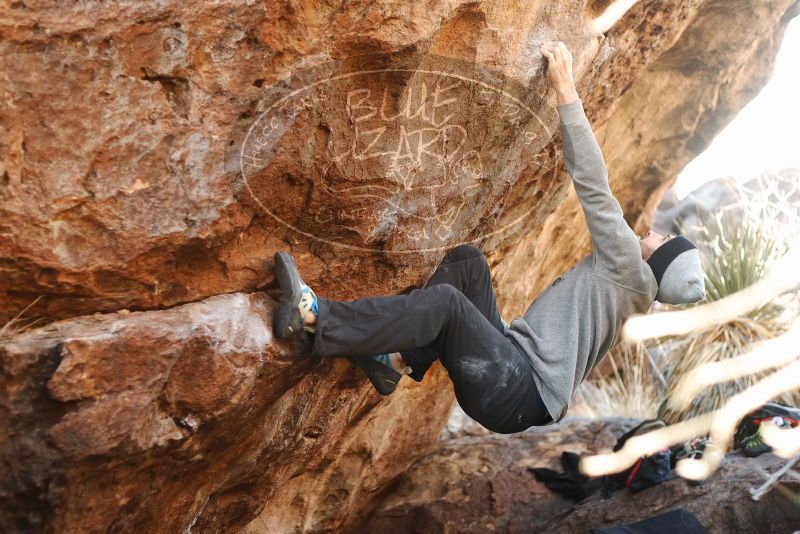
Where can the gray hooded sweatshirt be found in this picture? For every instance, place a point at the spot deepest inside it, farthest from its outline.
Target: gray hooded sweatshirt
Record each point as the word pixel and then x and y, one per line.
pixel 571 325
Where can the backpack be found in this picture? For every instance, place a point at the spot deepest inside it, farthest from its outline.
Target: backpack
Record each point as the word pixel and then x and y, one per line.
pixel 648 470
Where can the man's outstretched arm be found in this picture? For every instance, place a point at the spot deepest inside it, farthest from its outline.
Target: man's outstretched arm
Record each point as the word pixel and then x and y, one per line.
pixel 616 248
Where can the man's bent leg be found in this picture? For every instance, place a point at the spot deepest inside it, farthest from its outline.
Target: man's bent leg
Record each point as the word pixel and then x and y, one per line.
pixel 377 325
pixel 492 378
pixel 465 268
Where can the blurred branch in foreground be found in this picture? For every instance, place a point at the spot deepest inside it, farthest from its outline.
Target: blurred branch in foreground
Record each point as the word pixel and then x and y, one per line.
pixel 783 276
pixel 765 355
pixel 783 352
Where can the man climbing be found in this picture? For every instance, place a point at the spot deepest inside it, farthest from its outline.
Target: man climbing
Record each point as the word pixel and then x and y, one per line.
pixel 508 377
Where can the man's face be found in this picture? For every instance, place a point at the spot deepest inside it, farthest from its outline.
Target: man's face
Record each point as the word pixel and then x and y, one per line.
pixel 651 241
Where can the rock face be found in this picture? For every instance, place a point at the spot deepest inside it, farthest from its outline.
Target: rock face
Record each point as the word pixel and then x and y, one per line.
pixel 118 191
pixel 481 484
pixel 154 155
pixel 194 417
pixel 724 195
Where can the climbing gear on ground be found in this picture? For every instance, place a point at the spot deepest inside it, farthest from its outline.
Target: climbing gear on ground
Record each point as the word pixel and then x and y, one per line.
pixel 299 299
pixel 749 437
pixel 383 378
pixel 754 445
pixel 642 428
pixel 570 483
pixel 690 450
pixel 648 470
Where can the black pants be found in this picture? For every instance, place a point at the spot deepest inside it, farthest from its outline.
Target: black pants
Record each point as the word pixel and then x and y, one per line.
pixel 454 318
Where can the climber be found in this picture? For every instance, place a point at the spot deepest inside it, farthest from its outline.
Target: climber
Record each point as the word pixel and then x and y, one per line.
pixel 508 377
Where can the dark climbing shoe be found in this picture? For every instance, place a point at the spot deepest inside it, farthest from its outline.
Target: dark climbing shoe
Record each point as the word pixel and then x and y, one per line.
pixel 298 299
pixel 383 378
pixel 386 359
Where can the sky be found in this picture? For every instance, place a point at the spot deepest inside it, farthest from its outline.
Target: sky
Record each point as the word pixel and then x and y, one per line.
pixel 764 135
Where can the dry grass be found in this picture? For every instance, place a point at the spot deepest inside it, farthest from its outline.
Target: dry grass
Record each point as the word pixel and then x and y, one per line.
pixel 717 344
pixel 737 247
pixel 633 388
pixel 18 323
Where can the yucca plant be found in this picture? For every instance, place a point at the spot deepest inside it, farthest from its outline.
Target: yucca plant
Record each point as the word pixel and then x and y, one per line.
pixel 718 343
pixel 735 253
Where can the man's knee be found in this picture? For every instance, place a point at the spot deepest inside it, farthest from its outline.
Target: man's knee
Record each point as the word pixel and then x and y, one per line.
pixel 445 291
pixel 448 294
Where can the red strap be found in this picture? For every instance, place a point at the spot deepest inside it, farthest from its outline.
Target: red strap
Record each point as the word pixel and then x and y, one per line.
pixel 635 470
pixel 792 422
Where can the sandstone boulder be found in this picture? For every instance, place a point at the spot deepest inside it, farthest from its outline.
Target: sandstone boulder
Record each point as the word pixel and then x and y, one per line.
pixel 141 169
pixel 121 189
pixel 482 484
pixel 195 417
pixel 724 197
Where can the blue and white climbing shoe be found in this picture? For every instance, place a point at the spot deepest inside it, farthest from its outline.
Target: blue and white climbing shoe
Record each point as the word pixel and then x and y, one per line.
pixel 308 302
pixel 299 299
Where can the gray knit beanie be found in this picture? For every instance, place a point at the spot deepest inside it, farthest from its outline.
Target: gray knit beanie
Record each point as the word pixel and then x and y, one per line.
pixel 676 266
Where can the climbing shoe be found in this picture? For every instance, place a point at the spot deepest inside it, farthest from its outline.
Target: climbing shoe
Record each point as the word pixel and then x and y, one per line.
pixel 384 378
pixel 754 444
pixel 386 359
pixel 748 437
pixel 298 299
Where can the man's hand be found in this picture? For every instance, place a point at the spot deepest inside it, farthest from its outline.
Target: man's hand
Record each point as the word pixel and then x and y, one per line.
pixel 559 71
